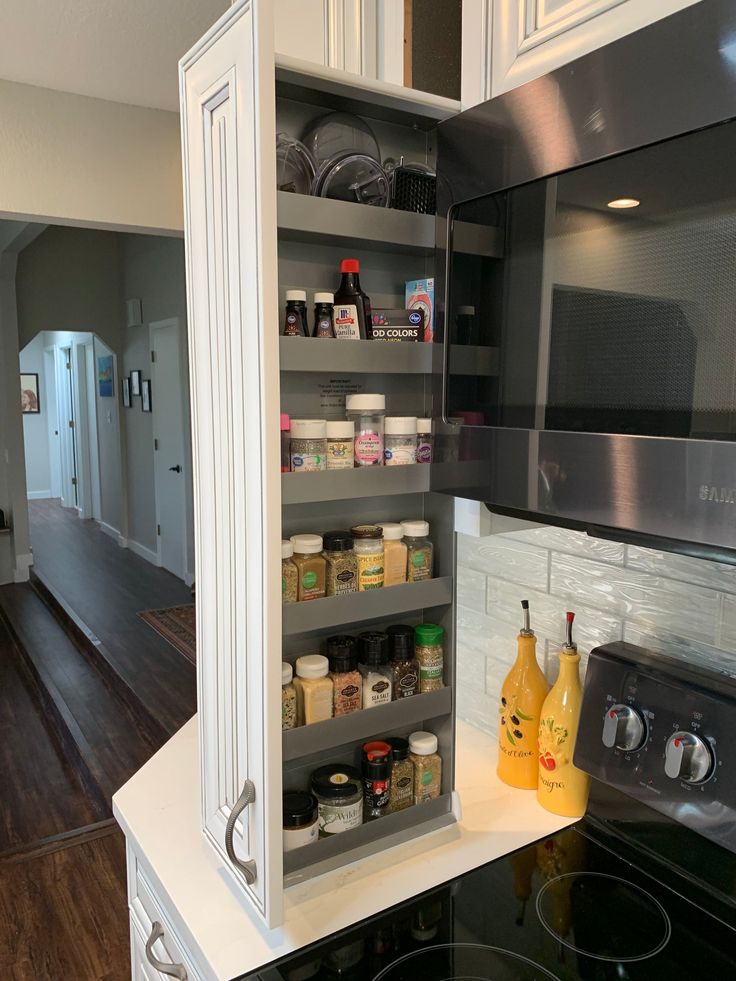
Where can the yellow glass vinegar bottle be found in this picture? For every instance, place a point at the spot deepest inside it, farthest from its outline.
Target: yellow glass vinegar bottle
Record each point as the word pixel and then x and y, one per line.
pixel 563 788
pixel 522 695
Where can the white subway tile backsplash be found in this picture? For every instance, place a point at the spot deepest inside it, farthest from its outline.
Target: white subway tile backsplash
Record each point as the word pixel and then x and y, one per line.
pixel 471 589
pixel 502 555
pixel 684 609
pixel 712 658
pixel 727 633
pixel 716 575
pixel 574 542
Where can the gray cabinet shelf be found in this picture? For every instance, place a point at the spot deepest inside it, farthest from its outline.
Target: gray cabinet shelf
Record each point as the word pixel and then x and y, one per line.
pixel 365 724
pixel 344 485
pixel 328 853
pixel 363 357
pixel 374 604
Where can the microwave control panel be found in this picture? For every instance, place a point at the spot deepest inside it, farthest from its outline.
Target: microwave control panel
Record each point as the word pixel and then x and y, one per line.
pixel 662 730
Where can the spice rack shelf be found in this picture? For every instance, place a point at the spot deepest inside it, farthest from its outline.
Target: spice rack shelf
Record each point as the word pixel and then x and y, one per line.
pixel 357 357
pixel 337 611
pixel 344 485
pixel 365 724
pixel 328 853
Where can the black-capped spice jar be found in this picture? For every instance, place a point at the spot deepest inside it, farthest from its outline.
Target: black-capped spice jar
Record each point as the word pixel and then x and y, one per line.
pixel 346 679
pixel 376 767
pixel 342 565
pixel 401 794
pixel 339 793
pixel 300 820
pixel 403 665
pixel 373 666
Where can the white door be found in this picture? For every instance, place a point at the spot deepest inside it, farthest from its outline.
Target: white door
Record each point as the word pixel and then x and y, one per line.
pixel 52 415
pixel 167 404
pixel 92 444
pixel 65 411
pixel 229 127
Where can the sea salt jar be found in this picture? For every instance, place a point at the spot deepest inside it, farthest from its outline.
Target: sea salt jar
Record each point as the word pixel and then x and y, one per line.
pixel 400 441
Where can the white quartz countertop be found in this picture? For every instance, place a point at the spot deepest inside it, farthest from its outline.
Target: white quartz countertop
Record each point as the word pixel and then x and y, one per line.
pixel 159 810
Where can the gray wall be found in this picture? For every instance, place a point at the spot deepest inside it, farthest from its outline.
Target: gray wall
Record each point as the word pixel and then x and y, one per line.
pixel 684 606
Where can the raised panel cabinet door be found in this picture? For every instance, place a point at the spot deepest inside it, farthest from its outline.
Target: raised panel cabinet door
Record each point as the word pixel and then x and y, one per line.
pixel 228 134
pixel 533 37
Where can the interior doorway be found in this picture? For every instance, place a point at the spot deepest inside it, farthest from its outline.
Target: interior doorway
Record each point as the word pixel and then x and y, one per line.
pixel 167 378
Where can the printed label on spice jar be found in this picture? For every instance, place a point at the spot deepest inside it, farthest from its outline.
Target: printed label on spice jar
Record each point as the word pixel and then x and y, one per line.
pixel 368 448
pixel 347 325
pixel 380 687
pixel 323 328
pixel 299 837
pixel 310 586
pixel 340 454
pixel 370 572
pixel 303 462
pixel 400 454
pixel 419 565
pixel 408 685
pixel 335 818
pixel 376 793
pixel 293 327
pixel 424 453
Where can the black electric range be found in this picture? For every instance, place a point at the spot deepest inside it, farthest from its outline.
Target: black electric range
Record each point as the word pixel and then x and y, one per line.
pixel 628 893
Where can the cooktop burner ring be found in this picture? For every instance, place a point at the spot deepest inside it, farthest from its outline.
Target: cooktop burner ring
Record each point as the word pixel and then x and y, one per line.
pixel 509 956
pixel 656 908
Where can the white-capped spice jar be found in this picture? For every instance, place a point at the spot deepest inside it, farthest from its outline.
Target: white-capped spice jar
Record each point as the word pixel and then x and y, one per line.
pixel 314 689
pixel 368 413
pixel 340 444
pixel 420 551
pixel 427 766
pixel 394 554
pixel 308 445
pixel 399 441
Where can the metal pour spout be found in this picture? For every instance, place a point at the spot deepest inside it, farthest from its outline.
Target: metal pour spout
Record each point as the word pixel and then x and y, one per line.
pixel 526 630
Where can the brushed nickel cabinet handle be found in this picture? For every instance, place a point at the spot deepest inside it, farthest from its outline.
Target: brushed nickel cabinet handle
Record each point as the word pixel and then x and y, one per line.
pixel 247 867
pixel 173 970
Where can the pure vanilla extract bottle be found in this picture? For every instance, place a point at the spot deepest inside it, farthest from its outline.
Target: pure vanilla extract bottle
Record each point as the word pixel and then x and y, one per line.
pixel 522 696
pixel 352 308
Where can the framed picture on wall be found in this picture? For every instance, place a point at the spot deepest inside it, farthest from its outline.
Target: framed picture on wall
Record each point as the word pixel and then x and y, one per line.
pixel 104 377
pixel 135 383
pixel 146 395
pixel 126 392
pixel 30 403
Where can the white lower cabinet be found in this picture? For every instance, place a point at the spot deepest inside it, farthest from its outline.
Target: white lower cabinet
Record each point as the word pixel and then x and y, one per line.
pixel 156 952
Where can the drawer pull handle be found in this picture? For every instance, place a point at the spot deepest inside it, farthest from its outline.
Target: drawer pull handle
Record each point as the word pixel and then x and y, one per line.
pixel 248 868
pixel 173 970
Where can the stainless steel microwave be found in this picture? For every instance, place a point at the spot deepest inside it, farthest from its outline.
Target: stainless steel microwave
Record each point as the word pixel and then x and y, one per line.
pixel 587 288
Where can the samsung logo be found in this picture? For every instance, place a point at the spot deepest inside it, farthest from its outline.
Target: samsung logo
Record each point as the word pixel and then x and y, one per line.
pixel 720 495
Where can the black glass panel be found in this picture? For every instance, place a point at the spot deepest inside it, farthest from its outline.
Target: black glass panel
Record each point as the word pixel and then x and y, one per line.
pixel 567 313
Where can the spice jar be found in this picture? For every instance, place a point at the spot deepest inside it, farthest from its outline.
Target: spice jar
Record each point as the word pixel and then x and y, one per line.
pixel 400 441
pixel 376 769
pixel 394 554
pixel 427 766
pixel 311 567
pixel 401 794
pixel 373 666
pixel 289 573
pixel 284 426
pixel 295 320
pixel 429 639
pixel 403 665
pixel 313 689
pixel 288 697
pixel 342 565
pixel 346 679
pixel 425 441
pixel 339 793
pixel 301 826
pixel 308 445
pixel 368 545
pixel 323 326
pixel 367 412
pixel 340 437
pixel 419 557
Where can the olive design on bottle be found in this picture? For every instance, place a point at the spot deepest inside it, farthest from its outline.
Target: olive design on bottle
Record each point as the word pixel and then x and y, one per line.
pixel 515 717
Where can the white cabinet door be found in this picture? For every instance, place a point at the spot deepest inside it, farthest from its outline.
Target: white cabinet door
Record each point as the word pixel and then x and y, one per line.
pixel 533 37
pixel 228 120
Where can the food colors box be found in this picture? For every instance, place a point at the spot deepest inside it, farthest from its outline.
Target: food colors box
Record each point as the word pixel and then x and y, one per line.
pixel 398 325
pixel 420 295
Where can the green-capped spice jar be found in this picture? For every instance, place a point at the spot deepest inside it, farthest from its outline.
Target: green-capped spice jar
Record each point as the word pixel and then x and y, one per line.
pixel 339 793
pixel 429 650
pixel 420 552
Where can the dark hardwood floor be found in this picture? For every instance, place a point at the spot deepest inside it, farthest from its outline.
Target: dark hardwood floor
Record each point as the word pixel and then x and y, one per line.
pixel 107 586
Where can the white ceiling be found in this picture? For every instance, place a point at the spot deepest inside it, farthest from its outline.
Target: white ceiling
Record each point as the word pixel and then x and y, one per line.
pixel 123 50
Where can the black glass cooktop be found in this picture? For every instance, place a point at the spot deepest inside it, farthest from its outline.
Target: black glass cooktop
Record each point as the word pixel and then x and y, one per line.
pixel 564 908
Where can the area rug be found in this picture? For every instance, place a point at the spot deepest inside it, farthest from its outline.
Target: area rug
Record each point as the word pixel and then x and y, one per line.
pixel 177 625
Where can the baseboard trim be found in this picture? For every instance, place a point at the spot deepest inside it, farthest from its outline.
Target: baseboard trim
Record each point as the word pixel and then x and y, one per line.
pixel 39 495
pixel 109 530
pixel 23 563
pixel 145 553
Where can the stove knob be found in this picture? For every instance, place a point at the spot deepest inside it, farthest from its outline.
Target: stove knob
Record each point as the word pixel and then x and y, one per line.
pixel 624 728
pixel 688 757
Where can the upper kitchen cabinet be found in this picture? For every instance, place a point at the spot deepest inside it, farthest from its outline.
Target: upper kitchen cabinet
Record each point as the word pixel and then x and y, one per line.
pixel 509 42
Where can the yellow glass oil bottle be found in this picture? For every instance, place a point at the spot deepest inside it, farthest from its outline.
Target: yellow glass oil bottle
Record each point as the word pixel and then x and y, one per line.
pixel 522 695
pixel 563 788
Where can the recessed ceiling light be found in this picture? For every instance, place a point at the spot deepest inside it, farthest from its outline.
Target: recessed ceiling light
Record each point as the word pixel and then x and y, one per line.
pixel 624 203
